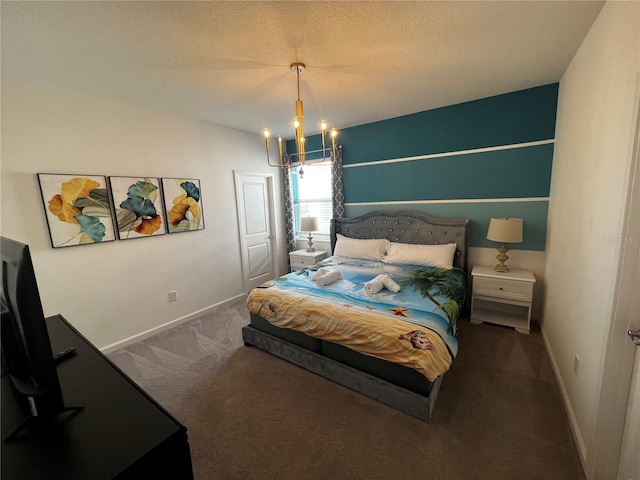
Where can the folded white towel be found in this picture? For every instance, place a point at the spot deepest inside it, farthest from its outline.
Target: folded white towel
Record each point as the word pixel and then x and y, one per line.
pixel 321 271
pixel 375 285
pixel 328 278
pixel 390 284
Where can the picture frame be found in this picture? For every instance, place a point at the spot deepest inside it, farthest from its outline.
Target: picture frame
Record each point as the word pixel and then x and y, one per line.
pixel 138 206
pixel 77 209
pixel 183 204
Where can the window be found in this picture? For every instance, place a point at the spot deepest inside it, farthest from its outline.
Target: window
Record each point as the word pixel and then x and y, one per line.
pixel 312 197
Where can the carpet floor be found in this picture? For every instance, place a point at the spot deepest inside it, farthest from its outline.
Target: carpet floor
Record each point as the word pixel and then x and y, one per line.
pixel 250 415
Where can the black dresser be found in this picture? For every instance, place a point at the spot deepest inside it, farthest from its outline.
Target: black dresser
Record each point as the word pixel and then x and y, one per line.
pixel 120 433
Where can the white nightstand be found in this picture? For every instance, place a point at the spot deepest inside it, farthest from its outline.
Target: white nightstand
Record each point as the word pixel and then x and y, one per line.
pixel 302 259
pixel 502 298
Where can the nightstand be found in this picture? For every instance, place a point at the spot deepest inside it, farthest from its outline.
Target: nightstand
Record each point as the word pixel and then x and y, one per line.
pixel 502 298
pixel 303 259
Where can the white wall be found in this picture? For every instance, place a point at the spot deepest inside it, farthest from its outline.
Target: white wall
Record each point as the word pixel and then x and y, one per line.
pixel 588 189
pixel 115 290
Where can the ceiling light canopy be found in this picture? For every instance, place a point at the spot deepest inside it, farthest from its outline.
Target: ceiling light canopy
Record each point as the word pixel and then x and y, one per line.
pixel 299 158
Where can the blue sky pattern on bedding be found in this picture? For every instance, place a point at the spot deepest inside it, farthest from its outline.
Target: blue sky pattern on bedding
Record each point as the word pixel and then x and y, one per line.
pixel 430 297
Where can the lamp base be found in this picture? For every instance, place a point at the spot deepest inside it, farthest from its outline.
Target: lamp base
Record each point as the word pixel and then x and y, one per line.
pixel 310 242
pixel 502 257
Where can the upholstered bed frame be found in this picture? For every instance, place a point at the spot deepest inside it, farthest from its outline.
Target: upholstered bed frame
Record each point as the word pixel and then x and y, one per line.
pixel 407 227
pixel 397 386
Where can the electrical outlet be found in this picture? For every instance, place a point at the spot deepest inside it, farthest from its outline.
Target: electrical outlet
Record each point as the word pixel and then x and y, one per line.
pixel 173 296
pixel 576 364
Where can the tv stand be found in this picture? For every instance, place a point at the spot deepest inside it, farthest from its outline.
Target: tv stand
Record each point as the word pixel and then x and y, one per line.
pixel 121 433
pixel 31 418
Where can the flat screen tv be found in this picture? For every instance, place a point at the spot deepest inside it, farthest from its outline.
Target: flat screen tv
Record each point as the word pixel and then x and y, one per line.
pixel 27 357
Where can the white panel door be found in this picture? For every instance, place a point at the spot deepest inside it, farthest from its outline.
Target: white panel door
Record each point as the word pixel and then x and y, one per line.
pixel 629 462
pixel 629 466
pixel 615 450
pixel 254 197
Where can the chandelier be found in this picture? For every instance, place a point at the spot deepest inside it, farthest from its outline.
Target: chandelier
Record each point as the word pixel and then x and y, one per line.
pixel 299 158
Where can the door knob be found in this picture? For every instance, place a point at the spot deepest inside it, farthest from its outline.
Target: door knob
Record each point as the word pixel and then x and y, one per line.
pixel 635 336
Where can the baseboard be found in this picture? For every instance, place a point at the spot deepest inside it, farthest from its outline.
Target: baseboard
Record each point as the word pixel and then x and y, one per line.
pixel 582 449
pixel 166 326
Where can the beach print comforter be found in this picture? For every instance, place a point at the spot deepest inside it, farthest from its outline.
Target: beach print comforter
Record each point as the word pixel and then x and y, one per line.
pixel 415 327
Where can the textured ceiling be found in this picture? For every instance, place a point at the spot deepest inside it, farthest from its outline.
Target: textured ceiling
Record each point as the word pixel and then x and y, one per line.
pixel 228 62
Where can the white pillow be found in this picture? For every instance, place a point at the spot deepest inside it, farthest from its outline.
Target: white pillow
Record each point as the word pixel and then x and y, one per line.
pixel 427 255
pixel 368 249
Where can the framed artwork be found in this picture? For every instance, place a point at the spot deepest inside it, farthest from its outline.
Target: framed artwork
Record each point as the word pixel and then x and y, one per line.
pixel 77 209
pixel 138 206
pixel 183 204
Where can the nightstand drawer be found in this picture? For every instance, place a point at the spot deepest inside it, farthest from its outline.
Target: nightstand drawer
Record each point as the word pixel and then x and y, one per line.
pixel 303 259
pixel 301 262
pixel 503 289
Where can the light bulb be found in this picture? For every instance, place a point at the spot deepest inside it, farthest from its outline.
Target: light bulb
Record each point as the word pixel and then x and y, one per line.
pixel 266 133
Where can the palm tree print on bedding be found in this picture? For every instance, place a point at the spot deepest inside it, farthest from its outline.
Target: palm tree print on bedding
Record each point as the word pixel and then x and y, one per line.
pixel 434 283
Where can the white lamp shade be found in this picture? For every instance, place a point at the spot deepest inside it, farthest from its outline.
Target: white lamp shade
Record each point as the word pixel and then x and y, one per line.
pixel 505 230
pixel 309 224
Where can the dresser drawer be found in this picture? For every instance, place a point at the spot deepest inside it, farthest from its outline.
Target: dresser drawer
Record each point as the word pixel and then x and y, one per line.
pixel 488 287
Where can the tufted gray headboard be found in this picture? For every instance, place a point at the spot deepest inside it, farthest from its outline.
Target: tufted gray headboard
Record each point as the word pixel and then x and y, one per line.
pixel 406 227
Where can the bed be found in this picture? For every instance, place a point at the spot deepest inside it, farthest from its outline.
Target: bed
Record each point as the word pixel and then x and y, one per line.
pixel 393 344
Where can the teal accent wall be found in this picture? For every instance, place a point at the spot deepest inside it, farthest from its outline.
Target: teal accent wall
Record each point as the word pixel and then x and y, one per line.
pixel 518 117
pixel 512 180
pixel 534 215
pixel 519 172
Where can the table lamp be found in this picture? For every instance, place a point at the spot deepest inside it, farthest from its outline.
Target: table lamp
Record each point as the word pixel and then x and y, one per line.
pixel 309 224
pixel 504 230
